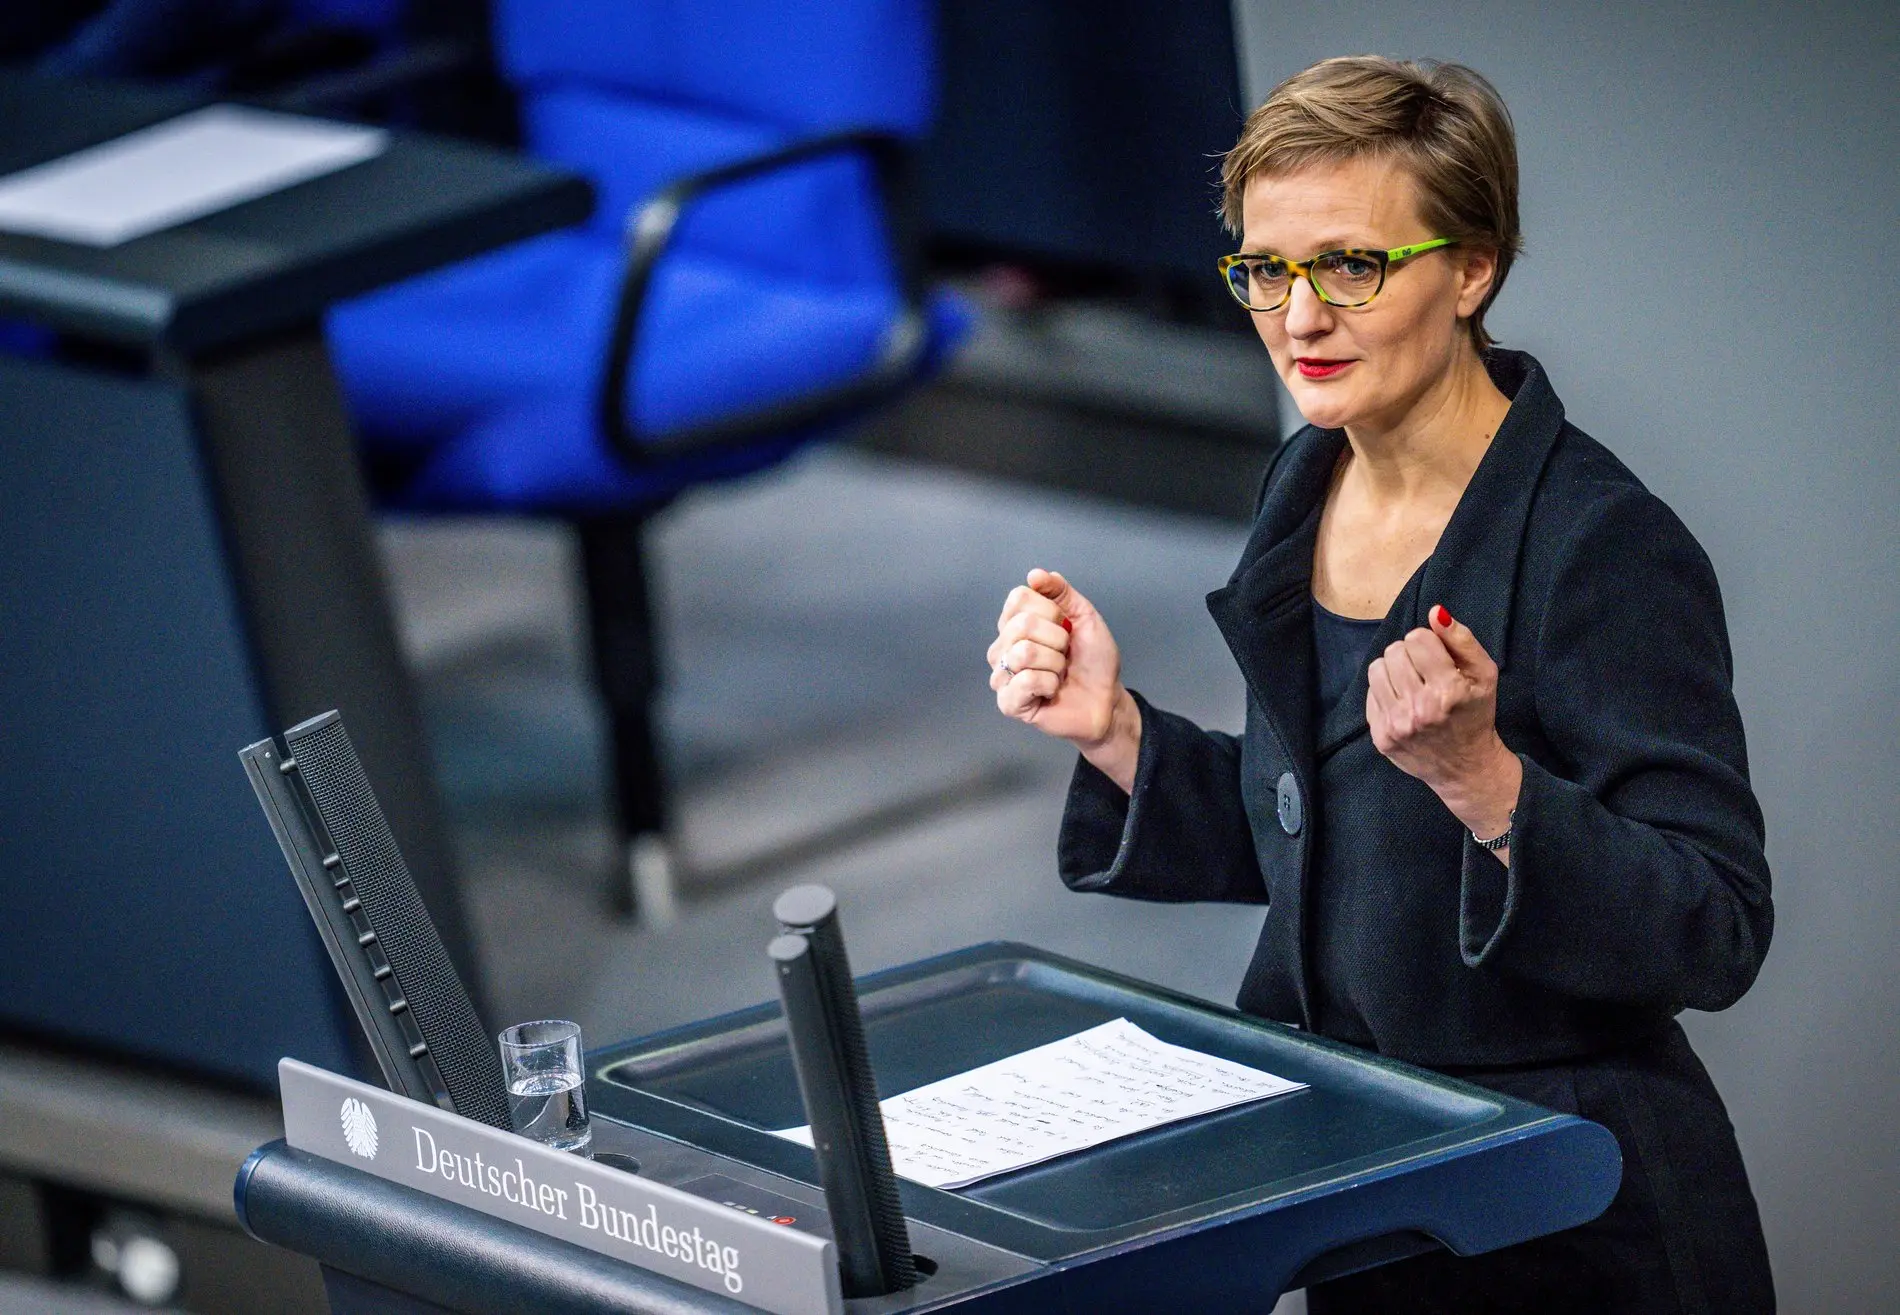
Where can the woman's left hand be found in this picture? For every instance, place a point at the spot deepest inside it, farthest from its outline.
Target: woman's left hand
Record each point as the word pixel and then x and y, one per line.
pixel 1431 704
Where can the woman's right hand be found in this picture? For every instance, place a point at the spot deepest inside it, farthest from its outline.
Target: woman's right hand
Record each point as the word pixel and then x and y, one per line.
pixel 1066 677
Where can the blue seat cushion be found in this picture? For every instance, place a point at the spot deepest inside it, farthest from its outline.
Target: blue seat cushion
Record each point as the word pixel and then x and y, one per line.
pixel 423 360
pixel 548 454
pixel 495 364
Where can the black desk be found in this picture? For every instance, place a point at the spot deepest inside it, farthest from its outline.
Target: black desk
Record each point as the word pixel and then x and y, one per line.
pixel 269 265
pixel 201 354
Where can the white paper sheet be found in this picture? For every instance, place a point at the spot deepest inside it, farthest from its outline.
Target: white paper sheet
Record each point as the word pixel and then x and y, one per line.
pixel 176 171
pixel 1093 1087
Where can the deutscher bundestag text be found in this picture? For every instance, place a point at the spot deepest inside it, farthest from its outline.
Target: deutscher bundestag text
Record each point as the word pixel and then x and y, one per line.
pixel 517 1188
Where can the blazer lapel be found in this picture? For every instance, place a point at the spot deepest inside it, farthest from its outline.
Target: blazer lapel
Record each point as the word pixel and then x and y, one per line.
pixel 1265 611
pixel 1473 570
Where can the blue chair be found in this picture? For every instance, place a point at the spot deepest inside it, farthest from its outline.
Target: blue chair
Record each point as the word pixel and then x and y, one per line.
pixel 750 283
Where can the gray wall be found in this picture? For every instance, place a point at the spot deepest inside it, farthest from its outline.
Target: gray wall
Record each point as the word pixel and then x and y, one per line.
pixel 1753 150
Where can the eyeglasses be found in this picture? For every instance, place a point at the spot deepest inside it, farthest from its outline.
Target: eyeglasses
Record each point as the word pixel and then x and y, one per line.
pixel 1345 278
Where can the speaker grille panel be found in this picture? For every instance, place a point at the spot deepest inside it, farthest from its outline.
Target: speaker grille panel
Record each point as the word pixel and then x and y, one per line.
pixel 438 1002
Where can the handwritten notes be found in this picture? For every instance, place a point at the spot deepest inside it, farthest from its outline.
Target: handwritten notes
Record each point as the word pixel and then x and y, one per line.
pixel 1093 1087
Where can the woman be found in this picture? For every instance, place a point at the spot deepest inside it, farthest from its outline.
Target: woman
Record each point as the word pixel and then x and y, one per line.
pixel 1492 787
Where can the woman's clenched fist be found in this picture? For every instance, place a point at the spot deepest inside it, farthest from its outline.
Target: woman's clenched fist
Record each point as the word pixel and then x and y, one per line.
pixel 1055 665
pixel 1432 705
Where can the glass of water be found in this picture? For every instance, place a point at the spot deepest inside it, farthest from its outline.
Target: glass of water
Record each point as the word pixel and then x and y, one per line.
pixel 547 1093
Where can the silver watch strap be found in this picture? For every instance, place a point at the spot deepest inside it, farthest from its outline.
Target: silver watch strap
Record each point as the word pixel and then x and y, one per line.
pixel 1498 842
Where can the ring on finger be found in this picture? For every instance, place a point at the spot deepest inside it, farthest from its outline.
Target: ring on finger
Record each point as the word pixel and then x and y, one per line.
pixel 1006 669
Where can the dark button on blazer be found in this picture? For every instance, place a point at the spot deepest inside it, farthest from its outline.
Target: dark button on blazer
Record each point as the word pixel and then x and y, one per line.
pixel 1637 885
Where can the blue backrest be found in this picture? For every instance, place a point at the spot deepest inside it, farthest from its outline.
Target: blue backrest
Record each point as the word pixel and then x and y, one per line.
pixel 636 93
pixel 805 66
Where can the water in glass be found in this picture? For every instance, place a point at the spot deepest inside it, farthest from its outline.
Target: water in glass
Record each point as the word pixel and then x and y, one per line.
pixel 551 1107
pixel 542 1065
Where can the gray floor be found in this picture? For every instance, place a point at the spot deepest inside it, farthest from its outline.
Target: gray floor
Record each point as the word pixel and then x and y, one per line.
pixel 825 628
pixel 20 1295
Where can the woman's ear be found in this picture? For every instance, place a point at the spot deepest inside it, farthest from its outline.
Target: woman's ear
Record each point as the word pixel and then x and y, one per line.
pixel 1478 273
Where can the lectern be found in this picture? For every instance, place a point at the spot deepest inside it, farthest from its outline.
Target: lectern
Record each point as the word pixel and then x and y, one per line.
pixel 1371 1162
pixel 694 1203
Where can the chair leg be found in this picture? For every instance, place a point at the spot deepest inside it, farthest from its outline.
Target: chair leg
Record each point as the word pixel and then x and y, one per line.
pixel 626 665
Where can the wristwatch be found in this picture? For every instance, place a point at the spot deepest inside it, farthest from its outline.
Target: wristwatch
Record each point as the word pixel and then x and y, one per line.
pixel 1497 842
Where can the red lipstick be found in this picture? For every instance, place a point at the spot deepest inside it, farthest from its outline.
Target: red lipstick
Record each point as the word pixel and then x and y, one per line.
pixel 1314 367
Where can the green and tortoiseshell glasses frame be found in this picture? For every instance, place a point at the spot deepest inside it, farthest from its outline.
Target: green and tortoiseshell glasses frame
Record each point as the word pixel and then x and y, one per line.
pixel 1347 278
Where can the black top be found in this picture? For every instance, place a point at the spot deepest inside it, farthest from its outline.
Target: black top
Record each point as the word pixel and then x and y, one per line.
pixel 1637 885
pixel 1341 646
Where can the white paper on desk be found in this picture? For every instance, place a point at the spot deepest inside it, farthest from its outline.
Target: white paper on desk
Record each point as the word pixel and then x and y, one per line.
pixel 1081 1091
pixel 176 171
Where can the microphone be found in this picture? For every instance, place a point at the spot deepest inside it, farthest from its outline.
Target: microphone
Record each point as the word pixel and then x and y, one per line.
pixel 840 1094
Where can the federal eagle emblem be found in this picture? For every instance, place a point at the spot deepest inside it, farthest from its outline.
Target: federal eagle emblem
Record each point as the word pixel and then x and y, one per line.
pixel 359 1128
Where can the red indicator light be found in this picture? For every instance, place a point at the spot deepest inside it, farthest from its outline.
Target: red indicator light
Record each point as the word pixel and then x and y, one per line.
pixel 784 1219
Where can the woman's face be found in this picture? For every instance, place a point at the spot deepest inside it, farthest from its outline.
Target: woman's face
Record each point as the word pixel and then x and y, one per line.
pixel 1371 366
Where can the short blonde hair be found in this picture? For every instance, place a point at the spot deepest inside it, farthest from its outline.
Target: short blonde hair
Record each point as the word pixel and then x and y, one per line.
pixel 1443 122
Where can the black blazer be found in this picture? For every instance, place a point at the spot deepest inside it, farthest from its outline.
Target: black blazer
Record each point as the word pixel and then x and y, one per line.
pixel 1637 884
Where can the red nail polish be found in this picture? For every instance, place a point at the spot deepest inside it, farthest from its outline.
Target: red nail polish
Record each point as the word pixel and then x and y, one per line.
pixel 1440 615
pixel 1068 625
